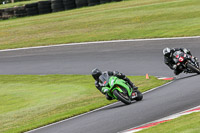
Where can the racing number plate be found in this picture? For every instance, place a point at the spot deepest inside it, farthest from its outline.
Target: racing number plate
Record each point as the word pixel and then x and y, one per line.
pixel 134 94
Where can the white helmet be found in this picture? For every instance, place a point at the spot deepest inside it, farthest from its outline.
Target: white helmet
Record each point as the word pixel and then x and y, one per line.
pixel 166 51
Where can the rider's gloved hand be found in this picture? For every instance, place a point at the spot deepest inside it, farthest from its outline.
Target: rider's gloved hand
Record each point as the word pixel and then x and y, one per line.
pixel 105 91
pixel 135 87
pixel 174 67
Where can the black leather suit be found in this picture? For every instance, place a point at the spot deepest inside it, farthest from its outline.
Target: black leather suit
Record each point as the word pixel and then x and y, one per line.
pixel 169 60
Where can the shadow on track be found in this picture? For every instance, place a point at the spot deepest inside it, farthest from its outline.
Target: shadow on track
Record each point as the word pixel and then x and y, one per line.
pixel 115 106
pixel 119 105
pixel 187 76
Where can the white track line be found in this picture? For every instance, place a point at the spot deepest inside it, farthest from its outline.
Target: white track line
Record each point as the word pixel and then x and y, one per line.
pixel 165 119
pixel 99 42
pixel 92 111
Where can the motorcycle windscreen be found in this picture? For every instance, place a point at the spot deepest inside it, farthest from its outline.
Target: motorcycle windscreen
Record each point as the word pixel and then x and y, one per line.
pixel 177 55
pixel 104 79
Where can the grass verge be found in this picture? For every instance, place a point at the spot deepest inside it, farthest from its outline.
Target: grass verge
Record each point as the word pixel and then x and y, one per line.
pixel 118 20
pixel 184 124
pixel 30 101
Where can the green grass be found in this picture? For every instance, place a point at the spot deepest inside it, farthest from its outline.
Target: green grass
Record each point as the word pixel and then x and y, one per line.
pixel 118 20
pixel 30 101
pixel 184 124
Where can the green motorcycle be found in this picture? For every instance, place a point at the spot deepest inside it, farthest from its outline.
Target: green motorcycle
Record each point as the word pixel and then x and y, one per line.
pixel 119 89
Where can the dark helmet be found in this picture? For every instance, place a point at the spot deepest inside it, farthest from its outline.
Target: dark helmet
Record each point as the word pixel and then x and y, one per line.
pixel 96 73
pixel 166 51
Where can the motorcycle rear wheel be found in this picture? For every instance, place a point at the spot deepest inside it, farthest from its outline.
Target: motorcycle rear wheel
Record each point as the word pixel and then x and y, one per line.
pixel 193 68
pixel 139 97
pixel 121 98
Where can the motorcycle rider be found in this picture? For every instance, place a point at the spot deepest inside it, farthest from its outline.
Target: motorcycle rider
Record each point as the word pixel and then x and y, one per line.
pixel 168 54
pixel 96 73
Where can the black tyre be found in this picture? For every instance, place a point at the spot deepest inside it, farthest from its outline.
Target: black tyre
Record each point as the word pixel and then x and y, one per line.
pixel 116 0
pixel 33 9
pixel 44 11
pixel 139 96
pixel 19 10
pixel 59 2
pixel 57 10
pixel 68 7
pixel 57 6
pixel 55 1
pixel 41 3
pixel 21 15
pixel 9 10
pixel 69 1
pixel 122 97
pixel 32 13
pixel 104 1
pixel 93 2
pixel 1 13
pixel 69 4
pixel 8 13
pixel 44 6
pixel 193 68
pixel 81 3
pixel 31 5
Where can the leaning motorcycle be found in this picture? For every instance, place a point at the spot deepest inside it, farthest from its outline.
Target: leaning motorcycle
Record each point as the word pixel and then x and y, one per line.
pixel 119 89
pixel 186 62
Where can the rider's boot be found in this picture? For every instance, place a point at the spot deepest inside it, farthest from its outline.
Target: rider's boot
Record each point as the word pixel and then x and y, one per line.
pixel 133 86
pixel 198 64
pixel 195 58
pixel 177 71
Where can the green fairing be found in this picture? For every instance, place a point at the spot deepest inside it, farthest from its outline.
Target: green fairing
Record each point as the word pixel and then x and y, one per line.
pixel 123 84
pixel 113 82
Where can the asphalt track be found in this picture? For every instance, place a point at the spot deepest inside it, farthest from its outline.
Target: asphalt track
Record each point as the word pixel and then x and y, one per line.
pixel 129 57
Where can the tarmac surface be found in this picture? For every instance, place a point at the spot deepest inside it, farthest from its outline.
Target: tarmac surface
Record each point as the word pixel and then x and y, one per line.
pixel 130 58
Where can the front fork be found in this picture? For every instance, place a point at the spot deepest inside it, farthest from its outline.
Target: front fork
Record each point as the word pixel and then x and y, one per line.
pixel 183 67
pixel 129 93
pixel 133 92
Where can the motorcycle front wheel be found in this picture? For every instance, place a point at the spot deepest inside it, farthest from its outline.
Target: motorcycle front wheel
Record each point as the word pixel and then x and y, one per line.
pixel 193 68
pixel 121 97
